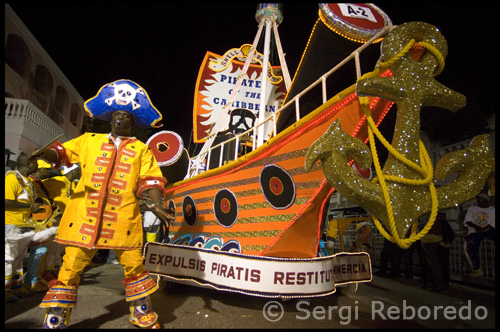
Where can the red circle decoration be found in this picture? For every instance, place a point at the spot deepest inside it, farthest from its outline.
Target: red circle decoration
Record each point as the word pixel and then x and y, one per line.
pixel 189 210
pixel 225 207
pixel 171 206
pixel 278 186
pixel 167 147
pixel 177 170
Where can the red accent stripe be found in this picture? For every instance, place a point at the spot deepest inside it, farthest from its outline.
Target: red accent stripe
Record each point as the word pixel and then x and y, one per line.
pixel 125 168
pixel 128 152
pixel 109 216
pixel 98 177
pixel 102 161
pixel 107 233
pixel 92 212
pixel 107 147
pixel 120 184
pixel 94 194
pixel 88 229
pixel 115 200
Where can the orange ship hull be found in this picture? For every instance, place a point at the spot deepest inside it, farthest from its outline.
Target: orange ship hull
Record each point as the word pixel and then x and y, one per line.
pixel 264 203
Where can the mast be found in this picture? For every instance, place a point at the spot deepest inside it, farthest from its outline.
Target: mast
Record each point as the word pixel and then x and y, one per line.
pixel 270 14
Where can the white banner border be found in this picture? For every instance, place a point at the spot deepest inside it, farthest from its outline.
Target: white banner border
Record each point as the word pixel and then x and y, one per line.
pixel 150 260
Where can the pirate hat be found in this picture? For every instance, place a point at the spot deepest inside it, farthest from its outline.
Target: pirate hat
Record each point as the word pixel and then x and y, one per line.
pixel 124 95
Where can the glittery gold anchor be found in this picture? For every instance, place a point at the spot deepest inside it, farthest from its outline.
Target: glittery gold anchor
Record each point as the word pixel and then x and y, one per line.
pixel 404 189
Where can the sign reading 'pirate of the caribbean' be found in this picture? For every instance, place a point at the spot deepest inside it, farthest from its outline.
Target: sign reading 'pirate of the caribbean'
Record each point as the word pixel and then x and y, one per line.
pixel 217 78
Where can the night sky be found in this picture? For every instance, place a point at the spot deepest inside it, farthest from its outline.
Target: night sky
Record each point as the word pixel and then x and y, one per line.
pixel 161 47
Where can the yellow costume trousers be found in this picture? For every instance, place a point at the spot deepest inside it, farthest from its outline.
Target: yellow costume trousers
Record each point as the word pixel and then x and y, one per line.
pixel 76 259
pixel 63 293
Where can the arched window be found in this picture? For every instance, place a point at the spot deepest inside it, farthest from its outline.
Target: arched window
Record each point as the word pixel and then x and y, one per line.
pixel 60 102
pixel 61 99
pixel 73 117
pixel 17 55
pixel 42 89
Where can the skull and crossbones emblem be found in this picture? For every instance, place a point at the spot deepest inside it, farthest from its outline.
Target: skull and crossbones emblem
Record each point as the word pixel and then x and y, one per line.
pixel 124 95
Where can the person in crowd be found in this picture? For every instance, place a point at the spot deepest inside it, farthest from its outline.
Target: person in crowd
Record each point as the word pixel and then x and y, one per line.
pixel 391 254
pixel 435 246
pixel 444 250
pixel 331 234
pixel 363 236
pixel 408 257
pixel 33 281
pixel 480 223
pixel 19 228
pixel 60 188
pixel 103 212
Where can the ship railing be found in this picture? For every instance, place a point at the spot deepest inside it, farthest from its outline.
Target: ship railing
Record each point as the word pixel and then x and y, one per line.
pixel 199 164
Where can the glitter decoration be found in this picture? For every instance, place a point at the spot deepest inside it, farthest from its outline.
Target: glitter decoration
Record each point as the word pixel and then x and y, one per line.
pixel 474 165
pixel 269 11
pixel 407 176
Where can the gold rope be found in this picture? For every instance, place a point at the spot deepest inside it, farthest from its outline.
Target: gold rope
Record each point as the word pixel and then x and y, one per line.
pixel 425 170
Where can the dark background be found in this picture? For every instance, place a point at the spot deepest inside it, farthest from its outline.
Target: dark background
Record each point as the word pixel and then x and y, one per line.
pixel 161 47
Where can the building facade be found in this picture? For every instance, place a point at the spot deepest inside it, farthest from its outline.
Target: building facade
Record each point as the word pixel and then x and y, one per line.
pixel 40 102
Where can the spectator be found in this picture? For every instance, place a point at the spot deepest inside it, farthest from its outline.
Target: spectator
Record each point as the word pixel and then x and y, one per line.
pixel 480 222
pixel 331 234
pixel 19 229
pixel 363 236
pixel 435 246
pixel 444 250
pixel 60 188
pixel 33 281
pixel 408 258
pixel 391 254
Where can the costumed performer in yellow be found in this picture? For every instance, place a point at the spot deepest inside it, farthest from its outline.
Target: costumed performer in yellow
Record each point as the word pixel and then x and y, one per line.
pixel 103 212
pixel 60 188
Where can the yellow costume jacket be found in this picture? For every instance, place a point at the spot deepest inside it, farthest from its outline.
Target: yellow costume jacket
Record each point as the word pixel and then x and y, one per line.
pixel 60 189
pixel 103 212
pixel 20 188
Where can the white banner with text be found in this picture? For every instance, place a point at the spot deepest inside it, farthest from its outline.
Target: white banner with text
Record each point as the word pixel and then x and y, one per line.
pixel 257 275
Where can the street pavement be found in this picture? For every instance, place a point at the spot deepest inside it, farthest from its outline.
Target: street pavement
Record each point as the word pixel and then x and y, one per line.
pixel 382 303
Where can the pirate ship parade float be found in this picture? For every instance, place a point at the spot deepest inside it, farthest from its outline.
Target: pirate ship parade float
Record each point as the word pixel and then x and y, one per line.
pixel 249 208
